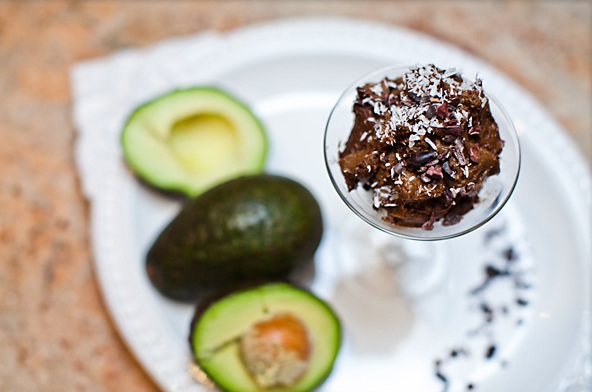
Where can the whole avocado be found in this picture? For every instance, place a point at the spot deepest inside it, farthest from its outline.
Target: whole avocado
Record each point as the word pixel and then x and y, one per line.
pixel 253 228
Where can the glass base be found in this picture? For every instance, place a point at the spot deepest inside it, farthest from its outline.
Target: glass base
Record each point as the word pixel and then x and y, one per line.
pixel 382 265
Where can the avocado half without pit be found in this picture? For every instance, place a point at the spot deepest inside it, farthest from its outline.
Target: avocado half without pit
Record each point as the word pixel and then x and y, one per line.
pixel 271 337
pixel 189 140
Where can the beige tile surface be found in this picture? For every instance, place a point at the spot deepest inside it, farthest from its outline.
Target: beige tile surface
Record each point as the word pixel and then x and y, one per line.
pixel 55 332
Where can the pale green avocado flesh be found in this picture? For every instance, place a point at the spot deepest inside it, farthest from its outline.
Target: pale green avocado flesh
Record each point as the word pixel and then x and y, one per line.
pixel 216 332
pixel 189 140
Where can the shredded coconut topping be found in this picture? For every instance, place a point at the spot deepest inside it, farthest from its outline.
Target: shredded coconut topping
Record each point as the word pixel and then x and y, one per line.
pixel 427 96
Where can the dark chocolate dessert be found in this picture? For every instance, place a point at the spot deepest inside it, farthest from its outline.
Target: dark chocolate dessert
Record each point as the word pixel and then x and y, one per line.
pixel 423 144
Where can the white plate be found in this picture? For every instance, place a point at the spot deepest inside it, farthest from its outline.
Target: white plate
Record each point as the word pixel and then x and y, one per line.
pixel 291 73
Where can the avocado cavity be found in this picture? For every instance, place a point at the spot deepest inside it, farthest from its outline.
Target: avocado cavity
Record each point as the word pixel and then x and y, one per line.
pixel 204 142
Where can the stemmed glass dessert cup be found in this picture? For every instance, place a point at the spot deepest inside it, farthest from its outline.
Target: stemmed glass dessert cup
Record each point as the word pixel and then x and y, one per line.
pixel 415 255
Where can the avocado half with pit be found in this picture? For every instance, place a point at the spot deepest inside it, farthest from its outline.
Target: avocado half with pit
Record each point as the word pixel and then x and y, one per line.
pixel 271 337
pixel 189 140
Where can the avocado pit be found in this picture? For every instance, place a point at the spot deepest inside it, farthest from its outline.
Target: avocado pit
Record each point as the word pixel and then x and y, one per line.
pixel 276 351
pixel 269 337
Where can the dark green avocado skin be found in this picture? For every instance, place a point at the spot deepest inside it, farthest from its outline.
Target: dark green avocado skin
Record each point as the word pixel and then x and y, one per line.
pixel 250 229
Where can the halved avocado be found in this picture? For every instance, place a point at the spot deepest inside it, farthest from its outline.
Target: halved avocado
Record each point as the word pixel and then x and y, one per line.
pixel 271 337
pixel 189 140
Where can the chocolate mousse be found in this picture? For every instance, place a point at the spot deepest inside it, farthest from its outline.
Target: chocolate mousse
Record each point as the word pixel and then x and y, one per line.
pixel 423 144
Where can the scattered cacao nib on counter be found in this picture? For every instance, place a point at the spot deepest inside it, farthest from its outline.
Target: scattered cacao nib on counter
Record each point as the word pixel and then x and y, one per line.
pixel 423 143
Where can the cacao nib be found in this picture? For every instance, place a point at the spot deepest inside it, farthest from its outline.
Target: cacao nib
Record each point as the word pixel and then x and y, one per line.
pixel 449 138
pixel 442 110
pixel 413 96
pixel 451 121
pixel 451 219
pixel 424 100
pixel 474 153
pixel 493 272
pixel 459 153
pixel 490 352
pixel 440 374
pixel 443 155
pixel 421 158
pixel 510 254
pixel 455 130
pixel 488 311
pixel 521 302
pixel 448 195
pixel 435 172
pixel 429 224
pixel 442 377
pixel 431 112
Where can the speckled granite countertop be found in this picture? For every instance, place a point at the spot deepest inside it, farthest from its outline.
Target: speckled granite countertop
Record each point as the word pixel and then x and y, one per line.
pixel 55 332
